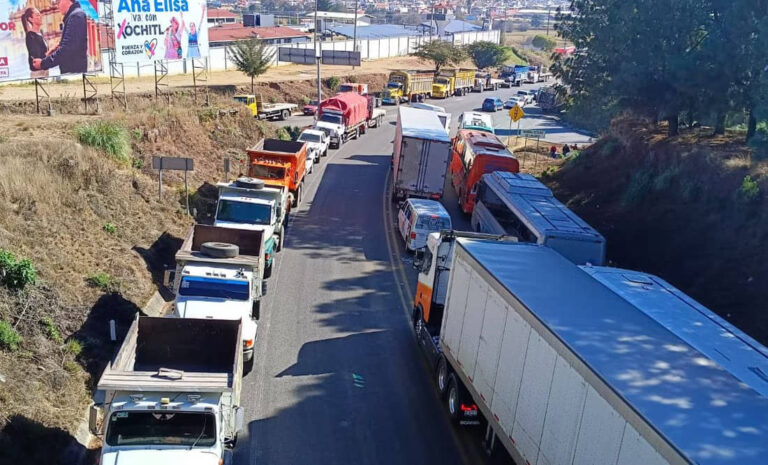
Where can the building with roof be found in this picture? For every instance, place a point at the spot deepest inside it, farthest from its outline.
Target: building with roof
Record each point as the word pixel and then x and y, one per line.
pixel 448 27
pixel 373 31
pixel 228 34
pixel 219 16
pixel 340 17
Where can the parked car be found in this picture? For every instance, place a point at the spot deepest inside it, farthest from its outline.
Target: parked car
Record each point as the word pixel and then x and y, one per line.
pixel 317 143
pixel 492 104
pixel 418 218
pixel 525 95
pixel 514 100
pixel 310 109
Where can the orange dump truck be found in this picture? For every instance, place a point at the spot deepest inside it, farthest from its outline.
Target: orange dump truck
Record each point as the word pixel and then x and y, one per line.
pixel 279 163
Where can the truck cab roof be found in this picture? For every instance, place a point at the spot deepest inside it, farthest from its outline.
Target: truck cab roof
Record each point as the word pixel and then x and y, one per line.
pixel 192 401
pixel 235 197
pixel 216 272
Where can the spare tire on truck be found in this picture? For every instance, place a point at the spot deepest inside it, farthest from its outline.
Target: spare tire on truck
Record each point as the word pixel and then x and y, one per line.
pixel 249 183
pixel 220 249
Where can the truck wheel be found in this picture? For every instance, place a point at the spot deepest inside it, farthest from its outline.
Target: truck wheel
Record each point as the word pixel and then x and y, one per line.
pixel 453 398
pixel 325 153
pixel 219 249
pixel 357 133
pixel 280 239
pixel 295 200
pixel 248 366
pixel 442 376
pixel 285 114
pixel 268 270
pixel 298 194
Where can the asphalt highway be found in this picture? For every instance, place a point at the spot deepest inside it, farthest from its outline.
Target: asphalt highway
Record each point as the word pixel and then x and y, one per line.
pixel 338 377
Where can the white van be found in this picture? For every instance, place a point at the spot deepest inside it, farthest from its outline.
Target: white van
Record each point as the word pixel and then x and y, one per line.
pixel 418 218
pixel 445 117
pixel 477 121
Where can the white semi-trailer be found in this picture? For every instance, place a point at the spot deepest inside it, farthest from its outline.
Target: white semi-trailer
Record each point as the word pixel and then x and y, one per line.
pixel 568 366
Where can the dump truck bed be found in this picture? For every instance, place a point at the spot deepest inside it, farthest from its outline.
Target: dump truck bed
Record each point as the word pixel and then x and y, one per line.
pixel 176 355
pixel 249 242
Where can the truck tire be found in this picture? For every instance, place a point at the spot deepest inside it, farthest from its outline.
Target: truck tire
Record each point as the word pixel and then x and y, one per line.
pixel 248 366
pixel 441 376
pixel 453 398
pixel 357 132
pixel 219 249
pixel 268 270
pixel 285 114
pixel 249 183
pixel 325 153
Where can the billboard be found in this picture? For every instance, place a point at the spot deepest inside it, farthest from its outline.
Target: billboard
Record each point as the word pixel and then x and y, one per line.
pixel 41 38
pixel 150 30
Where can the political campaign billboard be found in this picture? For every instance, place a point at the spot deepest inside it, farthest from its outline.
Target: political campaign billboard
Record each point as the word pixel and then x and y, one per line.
pixel 150 30
pixel 44 38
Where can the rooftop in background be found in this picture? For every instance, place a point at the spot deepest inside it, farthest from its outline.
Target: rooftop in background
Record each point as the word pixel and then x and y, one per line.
pixel 334 15
pixel 373 31
pixel 220 13
pixel 236 31
pixel 451 27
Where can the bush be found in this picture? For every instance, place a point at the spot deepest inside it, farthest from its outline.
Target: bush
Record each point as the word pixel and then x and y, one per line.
pixel 305 100
pixel 9 338
pixel 749 191
pixel 638 188
pixel 283 134
pixel 15 273
pixel 104 281
pixel 137 163
pixel 110 228
pixel 759 142
pixel 332 82
pixel 544 42
pixel 74 347
pixel 107 136
pixel 51 330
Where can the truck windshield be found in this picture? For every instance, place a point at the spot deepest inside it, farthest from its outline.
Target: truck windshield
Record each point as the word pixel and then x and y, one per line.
pixel 306 137
pixel 161 428
pixel 198 286
pixel 244 212
pixel 394 85
pixel 267 172
pixel 441 81
pixel 242 100
pixel 330 118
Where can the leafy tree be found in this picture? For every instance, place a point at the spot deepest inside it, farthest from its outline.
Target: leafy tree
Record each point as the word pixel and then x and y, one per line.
pixel 328 5
pixel 544 42
pixel 251 57
pixel 440 52
pixel 486 54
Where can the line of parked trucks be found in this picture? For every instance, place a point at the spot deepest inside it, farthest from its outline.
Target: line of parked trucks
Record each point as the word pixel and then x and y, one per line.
pixel 172 392
pixel 417 85
pixel 562 359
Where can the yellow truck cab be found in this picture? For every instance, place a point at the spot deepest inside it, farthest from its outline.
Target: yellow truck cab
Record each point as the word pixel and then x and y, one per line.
pixel 261 110
pixel 408 85
pixel 456 81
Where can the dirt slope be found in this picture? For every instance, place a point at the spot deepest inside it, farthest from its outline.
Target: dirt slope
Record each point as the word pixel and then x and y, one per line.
pixel 677 208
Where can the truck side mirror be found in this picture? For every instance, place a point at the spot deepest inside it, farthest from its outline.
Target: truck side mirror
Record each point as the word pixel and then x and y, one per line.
pixel 239 418
pixel 169 276
pixel 93 420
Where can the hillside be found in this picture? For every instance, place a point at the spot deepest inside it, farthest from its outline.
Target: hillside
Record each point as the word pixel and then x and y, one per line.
pixel 680 208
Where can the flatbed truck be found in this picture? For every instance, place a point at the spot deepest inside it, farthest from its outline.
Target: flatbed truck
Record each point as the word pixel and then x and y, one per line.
pixel 262 110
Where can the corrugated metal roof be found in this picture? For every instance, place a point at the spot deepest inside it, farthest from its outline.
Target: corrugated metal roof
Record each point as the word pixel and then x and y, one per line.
pixel 422 124
pixel 692 400
pixel 374 31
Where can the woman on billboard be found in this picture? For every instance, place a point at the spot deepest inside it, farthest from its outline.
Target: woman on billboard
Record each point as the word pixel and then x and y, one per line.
pixel 32 21
pixel 173 39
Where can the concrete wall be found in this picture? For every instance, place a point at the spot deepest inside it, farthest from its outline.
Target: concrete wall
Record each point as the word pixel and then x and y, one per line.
pixel 370 49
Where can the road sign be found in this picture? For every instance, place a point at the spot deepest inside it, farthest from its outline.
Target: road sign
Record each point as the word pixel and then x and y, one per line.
pixel 304 56
pixel 341 57
pixel 533 133
pixel 176 164
pixel 516 113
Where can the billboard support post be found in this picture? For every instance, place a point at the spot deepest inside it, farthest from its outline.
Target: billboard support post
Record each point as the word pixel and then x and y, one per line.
pixel 89 94
pixel 40 89
pixel 117 82
pixel 200 75
pixel 161 72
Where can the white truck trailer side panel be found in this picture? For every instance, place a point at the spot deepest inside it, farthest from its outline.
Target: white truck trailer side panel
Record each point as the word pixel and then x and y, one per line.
pixel 534 395
pixel 564 410
pixel 509 377
pixel 600 433
pixel 636 451
pixel 487 366
pixel 473 324
pixel 454 320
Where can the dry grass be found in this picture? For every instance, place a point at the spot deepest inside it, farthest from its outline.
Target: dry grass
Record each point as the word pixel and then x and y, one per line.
pixel 55 198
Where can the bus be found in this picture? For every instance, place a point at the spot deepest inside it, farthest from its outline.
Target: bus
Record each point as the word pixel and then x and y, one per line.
pixel 519 205
pixel 473 154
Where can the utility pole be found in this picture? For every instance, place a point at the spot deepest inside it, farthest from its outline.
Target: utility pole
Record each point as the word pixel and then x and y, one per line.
pixel 549 8
pixel 318 54
pixel 354 34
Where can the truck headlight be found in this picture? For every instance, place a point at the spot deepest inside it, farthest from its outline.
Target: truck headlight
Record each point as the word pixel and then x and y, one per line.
pixel 247 343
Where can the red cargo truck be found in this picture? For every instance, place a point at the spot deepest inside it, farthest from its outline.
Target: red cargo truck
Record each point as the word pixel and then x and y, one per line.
pixel 344 115
pixel 279 163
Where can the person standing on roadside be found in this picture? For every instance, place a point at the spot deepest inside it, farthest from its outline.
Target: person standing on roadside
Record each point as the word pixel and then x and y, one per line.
pixel 71 55
pixel 566 150
pixel 553 152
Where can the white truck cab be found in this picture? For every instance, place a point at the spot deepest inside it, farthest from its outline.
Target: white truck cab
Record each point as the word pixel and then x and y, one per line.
pixel 248 203
pixel 333 122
